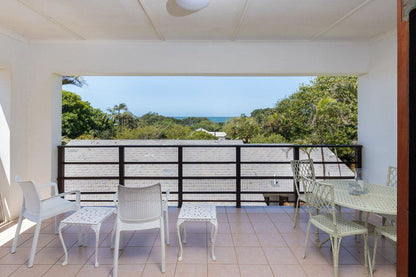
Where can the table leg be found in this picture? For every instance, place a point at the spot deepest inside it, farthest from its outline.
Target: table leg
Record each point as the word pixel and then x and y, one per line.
pixel 96 229
pixel 178 229
pixel 214 232
pixel 62 225
pixel 185 234
pixel 85 235
pixel 79 229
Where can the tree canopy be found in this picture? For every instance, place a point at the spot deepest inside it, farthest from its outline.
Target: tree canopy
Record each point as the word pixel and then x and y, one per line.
pixel 321 112
pixel 79 118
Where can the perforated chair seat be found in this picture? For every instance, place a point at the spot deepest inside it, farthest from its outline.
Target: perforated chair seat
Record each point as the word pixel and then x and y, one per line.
pixel 344 226
pixel 389 232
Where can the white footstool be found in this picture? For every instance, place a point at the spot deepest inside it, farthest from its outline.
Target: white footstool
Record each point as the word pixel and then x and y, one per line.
pixel 197 212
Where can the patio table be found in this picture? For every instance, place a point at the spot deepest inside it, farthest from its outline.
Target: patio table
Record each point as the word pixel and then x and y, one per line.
pixel 197 213
pixel 86 217
pixel 377 198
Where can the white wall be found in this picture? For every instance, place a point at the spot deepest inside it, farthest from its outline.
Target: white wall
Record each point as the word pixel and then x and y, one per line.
pixel 377 109
pixel 13 122
pixel 36 92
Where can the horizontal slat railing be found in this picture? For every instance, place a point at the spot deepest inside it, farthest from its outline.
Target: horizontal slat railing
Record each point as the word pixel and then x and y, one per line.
pixel 239 161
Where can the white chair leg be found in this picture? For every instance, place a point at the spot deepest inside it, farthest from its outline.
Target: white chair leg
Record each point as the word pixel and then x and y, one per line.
pixel 116 247
pixel 373 261
pixel 162 244
pixel 335 243
pixel 307 238
pixel 167 226
pixel 366 254
pixel 16 236
pixel 56 224
pixel 34 244
pixel 113 231
pixel 296 212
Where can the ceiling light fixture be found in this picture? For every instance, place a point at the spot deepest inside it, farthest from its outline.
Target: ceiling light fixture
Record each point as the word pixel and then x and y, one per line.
pixel 192 5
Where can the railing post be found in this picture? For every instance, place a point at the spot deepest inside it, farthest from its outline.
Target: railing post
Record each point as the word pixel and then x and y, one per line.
pixel 238 176
pixel 180 176
pixel 358 156
pixel 61 169
pixel 295 184
pixel 121 165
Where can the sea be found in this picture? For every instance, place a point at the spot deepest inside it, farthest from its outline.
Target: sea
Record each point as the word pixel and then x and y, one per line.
pixel 218 119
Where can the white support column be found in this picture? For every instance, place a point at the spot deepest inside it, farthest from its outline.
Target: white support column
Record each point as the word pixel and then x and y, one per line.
pixel 377 110
pixel 45 125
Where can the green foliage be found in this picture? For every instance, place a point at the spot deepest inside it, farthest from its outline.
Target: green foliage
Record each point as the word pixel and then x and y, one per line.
pixel 201 122
pixel 272 138
pixel 79 118
pixel 321 112
pixel 74 80
pixel 200 135
pixel 156 119
pixel 145 132
pixel 122 118
pixel 243 127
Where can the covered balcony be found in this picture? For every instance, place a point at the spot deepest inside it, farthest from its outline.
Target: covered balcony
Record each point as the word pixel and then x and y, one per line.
pixel 41 41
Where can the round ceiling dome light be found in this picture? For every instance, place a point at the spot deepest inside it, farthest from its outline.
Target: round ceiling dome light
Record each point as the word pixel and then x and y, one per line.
pixel 192 5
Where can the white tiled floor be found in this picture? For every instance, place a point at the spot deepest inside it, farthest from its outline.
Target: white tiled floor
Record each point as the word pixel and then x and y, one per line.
pixel 252 241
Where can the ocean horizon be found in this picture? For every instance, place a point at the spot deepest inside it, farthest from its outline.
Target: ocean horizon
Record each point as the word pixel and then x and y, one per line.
pixel 217 119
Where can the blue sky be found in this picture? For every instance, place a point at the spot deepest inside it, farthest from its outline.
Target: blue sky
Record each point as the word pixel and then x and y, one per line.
pixel 187 95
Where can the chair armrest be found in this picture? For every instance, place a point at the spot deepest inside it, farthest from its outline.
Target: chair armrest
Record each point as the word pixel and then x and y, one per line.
pixel 166 196
pixel 53 185
pixel 77 192
pixel 115 199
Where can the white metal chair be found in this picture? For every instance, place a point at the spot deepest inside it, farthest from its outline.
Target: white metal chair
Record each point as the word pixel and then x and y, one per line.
pixel 320 197
pixel 36 209
pixel 139 209
pixel 301 168
pixel 389 232
pixel 391 182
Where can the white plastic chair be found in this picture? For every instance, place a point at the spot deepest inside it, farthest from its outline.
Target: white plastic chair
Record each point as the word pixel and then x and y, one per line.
pixel 139 209
pixel 36 209
pixel 165 206
pixel 301 168
pixel 321 197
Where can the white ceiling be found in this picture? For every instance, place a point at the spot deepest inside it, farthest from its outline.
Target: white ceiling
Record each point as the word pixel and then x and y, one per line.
pixel 228 20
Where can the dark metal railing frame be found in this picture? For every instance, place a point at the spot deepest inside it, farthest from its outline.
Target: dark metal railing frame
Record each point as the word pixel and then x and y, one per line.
pixel 180 177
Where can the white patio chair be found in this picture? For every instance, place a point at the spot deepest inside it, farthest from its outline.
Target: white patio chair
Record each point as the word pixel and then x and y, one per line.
pixel 139 209
pixel 391 182
pixel 36 209
pixel 301 168
pixel 389 232
pixel 321 197
pixel 165 206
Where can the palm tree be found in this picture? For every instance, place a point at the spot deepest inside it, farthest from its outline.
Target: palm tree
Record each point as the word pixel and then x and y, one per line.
pixel 74 80
pixel 117 115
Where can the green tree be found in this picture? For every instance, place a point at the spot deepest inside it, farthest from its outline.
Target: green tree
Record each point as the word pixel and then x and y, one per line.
pixel 74 80
pixel 118 114
pixel 201 135
pixel 79 118
pixel 243 127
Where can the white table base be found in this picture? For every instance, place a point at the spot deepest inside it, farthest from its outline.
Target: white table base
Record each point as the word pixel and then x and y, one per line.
pixel 196 213
pixel 90 217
